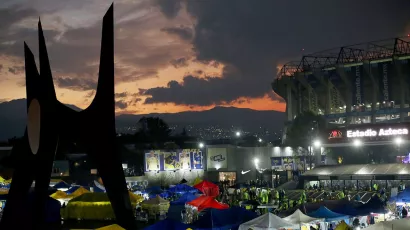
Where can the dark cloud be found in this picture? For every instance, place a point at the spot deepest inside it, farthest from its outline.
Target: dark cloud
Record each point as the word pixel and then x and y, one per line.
pixel 250 38
pixel 78 84
pixel 16 70
pixel 14 14
pixel 183 32
pixel 121 104
pixel 121 95
pixel 198 72
pixel 180 62
pixel 170 8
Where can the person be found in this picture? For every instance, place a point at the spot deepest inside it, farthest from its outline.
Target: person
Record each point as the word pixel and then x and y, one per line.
pixel 404 212
pixel 330 227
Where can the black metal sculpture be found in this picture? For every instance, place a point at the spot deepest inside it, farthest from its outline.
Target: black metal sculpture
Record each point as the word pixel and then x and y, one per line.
pixel 50 121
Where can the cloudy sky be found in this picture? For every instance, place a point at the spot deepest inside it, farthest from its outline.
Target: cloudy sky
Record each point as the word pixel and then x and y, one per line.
pixel 178 55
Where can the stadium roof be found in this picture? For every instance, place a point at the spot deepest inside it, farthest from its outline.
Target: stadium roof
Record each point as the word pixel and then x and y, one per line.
pixel 365 171
pixel 370 51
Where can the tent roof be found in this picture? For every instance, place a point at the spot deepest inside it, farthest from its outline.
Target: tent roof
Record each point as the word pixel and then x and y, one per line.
pixel 398 224
pixel 224 218
pixel 204 202
pixel 205 184
pixel 167 224
pixel 155 200
pixel 360 169
pixel 182 188
pixel 266 221
pixel 324 212
pixel 186 197
pixel 298 218
pixel 61 184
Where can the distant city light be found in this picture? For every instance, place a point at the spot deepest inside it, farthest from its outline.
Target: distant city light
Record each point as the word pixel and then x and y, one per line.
pixel 201 145
pixel 357 143
pixel 398 140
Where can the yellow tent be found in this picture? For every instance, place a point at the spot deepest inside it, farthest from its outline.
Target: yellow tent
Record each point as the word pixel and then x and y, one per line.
pixel 80 191
pixel 59 195
pixel 111 227
pixel 2 180
pixel 342 226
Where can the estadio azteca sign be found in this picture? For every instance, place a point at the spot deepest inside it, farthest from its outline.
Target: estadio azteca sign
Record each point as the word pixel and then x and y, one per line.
pixel 377 132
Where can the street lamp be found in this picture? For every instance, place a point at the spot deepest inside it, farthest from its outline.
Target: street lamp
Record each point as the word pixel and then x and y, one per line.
pixel 260 140
pixel 201 145
pixel 357 143
pixel 238 134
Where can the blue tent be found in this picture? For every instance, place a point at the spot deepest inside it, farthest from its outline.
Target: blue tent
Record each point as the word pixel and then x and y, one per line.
pixel 164 195
pixel 324 212
pixel 224 219
pixel 346 210
pixel 187 197
pixel 61 184
pixel 403 196
pixel 52 208
pixel 167 224
pixel 374 205
pixel 72 189
pixel 183 188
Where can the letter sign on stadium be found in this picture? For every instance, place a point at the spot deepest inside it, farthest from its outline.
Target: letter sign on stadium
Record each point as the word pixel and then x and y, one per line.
pixel 376 133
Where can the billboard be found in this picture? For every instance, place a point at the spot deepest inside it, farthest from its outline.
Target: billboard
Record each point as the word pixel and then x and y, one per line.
pixel 385 83
pixel 217 158
pixel 166 160
pixel 357 85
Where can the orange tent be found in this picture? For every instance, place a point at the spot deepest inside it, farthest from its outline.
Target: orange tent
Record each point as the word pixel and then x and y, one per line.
pixel 204 202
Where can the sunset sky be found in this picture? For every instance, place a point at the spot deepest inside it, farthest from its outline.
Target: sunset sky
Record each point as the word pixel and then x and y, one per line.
pixel 179 55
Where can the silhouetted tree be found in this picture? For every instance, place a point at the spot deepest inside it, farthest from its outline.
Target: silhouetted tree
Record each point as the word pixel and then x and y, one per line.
pixel 154 131
pixel 304 129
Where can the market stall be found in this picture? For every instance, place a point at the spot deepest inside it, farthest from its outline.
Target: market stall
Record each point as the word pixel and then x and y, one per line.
pixel 268 221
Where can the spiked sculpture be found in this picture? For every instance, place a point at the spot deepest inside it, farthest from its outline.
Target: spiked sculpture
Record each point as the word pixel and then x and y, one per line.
pixel 50 121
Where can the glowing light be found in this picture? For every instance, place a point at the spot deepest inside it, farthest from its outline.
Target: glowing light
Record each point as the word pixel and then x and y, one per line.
pixel 201 145
pixel 260 140
pixel 317 143
pixel 256 161
pixel 398 140
pixel 238 134
pixel 357 143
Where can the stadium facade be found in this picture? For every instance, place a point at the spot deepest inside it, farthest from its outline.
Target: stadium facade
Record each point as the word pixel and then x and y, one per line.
pixel 355 88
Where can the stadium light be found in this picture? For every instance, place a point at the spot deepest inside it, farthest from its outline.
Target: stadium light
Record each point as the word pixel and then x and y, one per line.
pixel 256 161
pixel 260 140
pixel 201 145
pixel 357 143
pixel 317 143
pixel 398 140
pixel 238 134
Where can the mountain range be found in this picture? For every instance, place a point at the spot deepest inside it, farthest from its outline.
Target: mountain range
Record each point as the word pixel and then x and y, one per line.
pixel 13 119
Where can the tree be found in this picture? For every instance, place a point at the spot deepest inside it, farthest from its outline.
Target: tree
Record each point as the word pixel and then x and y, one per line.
pixel 303 131
pixel 153 130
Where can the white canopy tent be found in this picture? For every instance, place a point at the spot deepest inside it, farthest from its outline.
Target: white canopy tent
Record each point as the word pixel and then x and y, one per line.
pixel 400 224
pixel 267 221
pixel 299 218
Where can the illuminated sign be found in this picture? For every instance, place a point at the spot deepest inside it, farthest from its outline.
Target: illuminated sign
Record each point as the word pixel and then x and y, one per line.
pixel 375 133
pixel 335 134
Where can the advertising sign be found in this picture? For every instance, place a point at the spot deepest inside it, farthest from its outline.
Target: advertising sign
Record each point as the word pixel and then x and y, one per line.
pixel 183 159
pixel 217 158
pixel 385 73
pixel 357 81
pixel 152 161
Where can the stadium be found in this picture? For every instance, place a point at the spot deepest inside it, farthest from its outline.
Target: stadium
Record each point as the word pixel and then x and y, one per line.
pixel 361 90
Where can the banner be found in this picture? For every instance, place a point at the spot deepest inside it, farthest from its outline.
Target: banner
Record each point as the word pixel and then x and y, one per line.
pixel 152 161
pixel 385 84
pixel 288 163
pixel 197 159
pixel 217 158
pixel 171 161
pixel 357 85
pixel 183 159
